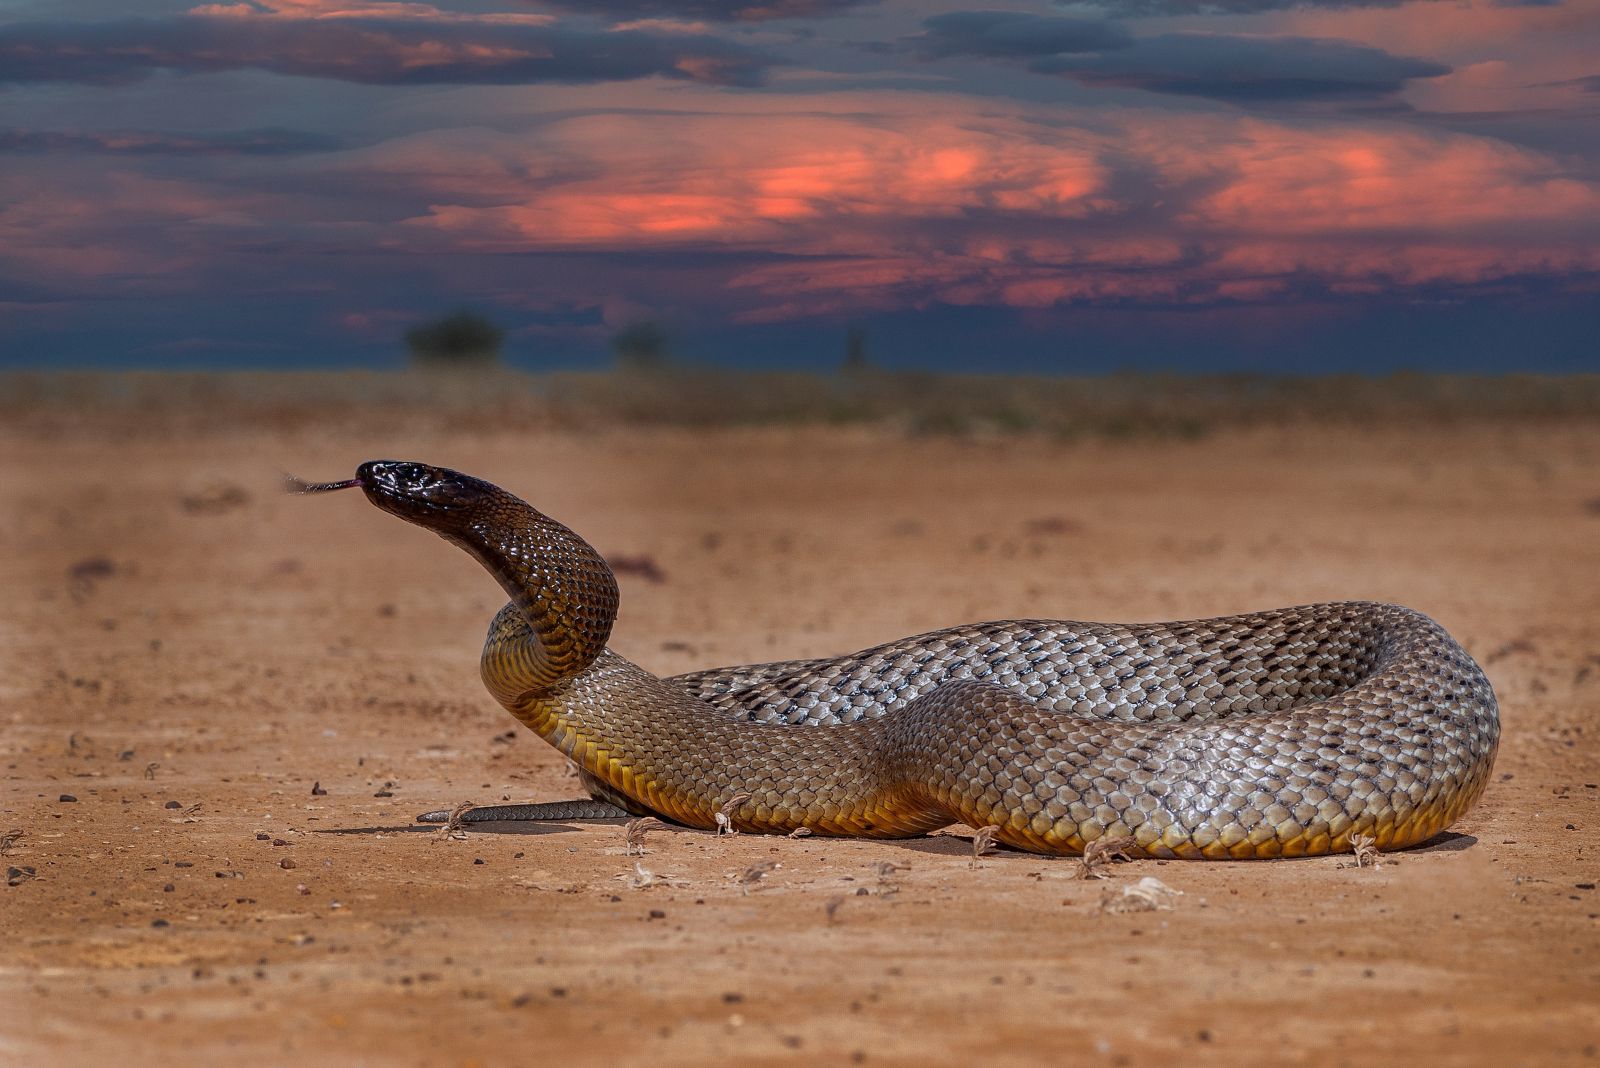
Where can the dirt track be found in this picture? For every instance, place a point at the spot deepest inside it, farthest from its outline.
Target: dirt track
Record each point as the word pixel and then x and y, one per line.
pixel 188 653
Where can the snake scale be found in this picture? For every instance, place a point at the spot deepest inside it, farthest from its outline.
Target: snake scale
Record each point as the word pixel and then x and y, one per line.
pixel 1275 733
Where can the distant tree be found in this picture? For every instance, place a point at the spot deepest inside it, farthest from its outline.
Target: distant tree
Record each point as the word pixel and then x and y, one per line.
pixel 641 346
pixel 459 339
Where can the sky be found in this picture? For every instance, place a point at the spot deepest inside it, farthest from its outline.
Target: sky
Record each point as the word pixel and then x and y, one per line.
pixel 1178 185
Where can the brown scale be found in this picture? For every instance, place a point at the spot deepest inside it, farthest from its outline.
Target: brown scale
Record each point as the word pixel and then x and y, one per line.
pixel 1277 733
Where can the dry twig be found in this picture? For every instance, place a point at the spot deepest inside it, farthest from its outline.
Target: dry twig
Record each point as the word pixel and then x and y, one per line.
pixel 1099 854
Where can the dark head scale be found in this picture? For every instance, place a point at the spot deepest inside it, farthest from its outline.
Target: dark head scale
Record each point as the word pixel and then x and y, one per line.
pixel 434 497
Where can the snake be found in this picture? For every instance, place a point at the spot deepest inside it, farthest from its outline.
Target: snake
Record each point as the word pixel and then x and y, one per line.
pixel 1297 731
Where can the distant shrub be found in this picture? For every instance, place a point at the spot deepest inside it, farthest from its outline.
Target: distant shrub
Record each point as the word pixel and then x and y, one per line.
pixel 855 348
pixel 641 346
pixel 462 337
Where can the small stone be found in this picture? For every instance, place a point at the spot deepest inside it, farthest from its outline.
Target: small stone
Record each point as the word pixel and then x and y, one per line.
pixel 263 837
pixel 317 790
pixel 159 923
pixel 169 888
pixel 173 804
pixel 286 864
pixel 66 797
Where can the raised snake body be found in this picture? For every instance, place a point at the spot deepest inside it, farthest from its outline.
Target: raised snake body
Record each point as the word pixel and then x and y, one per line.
pixel 1276 733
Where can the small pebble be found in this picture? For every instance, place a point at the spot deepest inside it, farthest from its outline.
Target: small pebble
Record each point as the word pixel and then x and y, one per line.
pixel 172 804
pixel 317 790
pixel 286 863
pixel 66 797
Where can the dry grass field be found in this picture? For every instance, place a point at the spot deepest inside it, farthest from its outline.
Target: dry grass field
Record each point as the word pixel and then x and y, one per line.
pixel 220 708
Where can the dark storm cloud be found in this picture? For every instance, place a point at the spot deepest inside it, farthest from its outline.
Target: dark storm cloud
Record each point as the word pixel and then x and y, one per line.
pixel 1234 68
pixel 369 50
pixel 1014 33
pixel 712 10
pixel 156 143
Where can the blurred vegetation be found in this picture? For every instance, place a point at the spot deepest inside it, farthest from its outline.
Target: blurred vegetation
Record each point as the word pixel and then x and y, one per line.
pixel 1119 407
pixel 461 339
pixel 855 349
pixel 641 346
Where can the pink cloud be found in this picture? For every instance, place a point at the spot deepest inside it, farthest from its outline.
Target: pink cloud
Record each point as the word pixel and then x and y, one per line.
pixel 897 208
pixel 794 181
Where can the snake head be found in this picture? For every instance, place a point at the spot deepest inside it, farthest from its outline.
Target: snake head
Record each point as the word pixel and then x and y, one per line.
pixel 433 497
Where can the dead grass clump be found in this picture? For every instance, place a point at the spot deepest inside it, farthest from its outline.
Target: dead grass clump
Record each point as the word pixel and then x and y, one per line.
pixel 454 826
pixel 725 813
pixel 751 877
pixel 1099 854
pixel 1366 852
pixel 983 842
pixel 634 832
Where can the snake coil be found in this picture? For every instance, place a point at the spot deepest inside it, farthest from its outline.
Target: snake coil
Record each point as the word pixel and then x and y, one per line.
pixel 1276 733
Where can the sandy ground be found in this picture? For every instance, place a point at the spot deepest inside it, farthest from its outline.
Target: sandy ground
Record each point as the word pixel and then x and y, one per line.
pixel 249 696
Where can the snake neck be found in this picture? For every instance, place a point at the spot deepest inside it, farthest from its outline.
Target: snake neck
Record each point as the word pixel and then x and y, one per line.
pixel 663 750
pixel 563 600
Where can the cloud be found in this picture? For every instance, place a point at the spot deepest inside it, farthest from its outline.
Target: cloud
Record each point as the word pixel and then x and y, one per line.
pixel 822 214
pixel 1162 8
pixel 1014 33
pixel 1243 68
pixel 712 10
pixel 266 142
pixel 366 49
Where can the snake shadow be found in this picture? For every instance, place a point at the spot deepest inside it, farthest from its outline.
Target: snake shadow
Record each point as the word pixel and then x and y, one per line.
pixel 475 828
pixel 950 843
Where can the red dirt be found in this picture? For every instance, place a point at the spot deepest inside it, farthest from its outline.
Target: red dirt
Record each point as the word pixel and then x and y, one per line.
pixel 188 652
